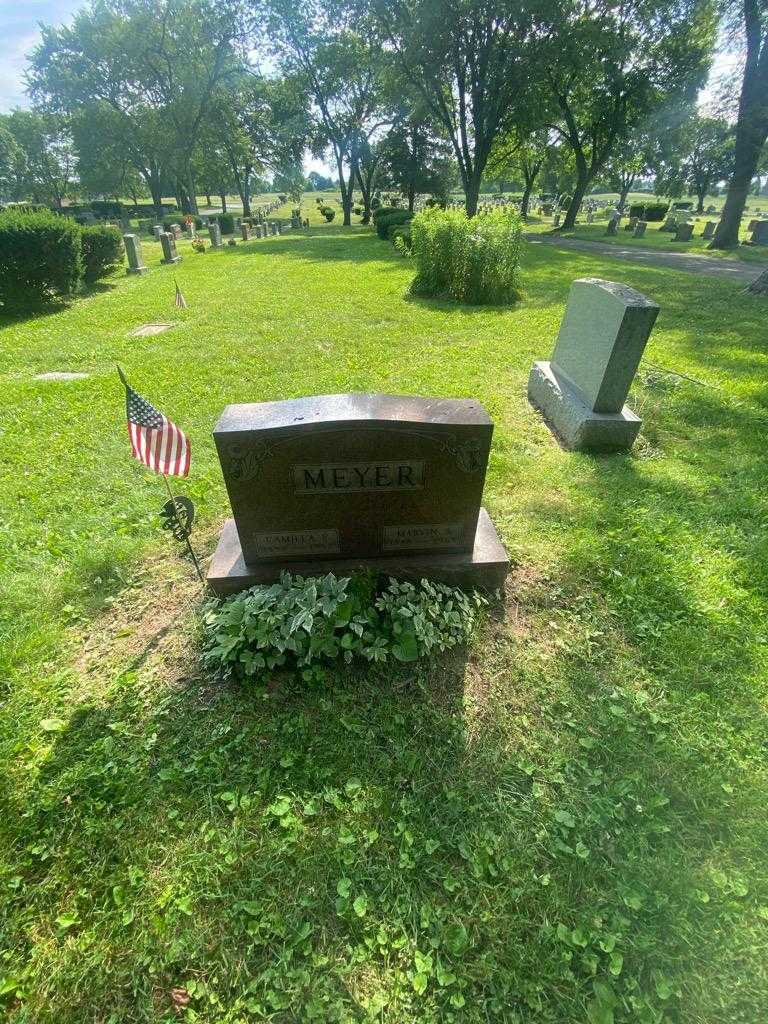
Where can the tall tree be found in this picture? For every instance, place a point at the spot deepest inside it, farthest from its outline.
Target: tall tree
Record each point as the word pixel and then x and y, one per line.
pixel 749 21
pixel 523 153
pixel 322 43
pixel 417 161
pixel 702 157
pixel 610 66
pixel 14 168
pixel 153 67
pixel 261 125
pixel 472 62
pixel 49 159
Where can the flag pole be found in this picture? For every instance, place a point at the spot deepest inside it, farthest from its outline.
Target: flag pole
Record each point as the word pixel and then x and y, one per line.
pixel 186 535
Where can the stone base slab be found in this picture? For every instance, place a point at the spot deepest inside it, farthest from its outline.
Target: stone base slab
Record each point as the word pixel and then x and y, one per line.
pixel 176 259
pixel 575 425
pixel 137 270
pixel 484 568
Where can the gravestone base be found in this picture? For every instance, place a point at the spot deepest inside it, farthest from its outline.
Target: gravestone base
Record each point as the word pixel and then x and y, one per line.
pixel 172 260
pixel 137 270
pixel 484 568
pixel 572 421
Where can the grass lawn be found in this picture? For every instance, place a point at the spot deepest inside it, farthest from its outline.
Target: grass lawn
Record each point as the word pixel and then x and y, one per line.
pixel 564 824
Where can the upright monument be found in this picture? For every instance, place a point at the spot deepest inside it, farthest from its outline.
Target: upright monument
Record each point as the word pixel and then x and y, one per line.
pixel 336 483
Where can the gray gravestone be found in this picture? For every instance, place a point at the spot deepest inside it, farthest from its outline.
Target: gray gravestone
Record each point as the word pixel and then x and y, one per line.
pixel 709 229
pixel 168 242
pixel 136 263
pixel 581 391
pixel 613 225
pixel 760 232
pixel 684 233
pixel 556 221
pixel 336 483
pixel 214 233
pixel 670 224
pixel 245 232
pixel 176 230
pixel 590 216
pixel 640 227
pixel 631 224
pixel 190 229
pixel 158 230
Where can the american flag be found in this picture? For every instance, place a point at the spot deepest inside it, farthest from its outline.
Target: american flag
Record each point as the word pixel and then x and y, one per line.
pixel 179 301
pixel 155 440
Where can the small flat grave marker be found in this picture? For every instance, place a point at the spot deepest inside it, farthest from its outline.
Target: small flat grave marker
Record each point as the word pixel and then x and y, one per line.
pixel 147 330
pixel 61 375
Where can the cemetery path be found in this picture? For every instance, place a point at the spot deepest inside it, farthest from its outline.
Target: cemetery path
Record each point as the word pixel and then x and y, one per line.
pixel 712 266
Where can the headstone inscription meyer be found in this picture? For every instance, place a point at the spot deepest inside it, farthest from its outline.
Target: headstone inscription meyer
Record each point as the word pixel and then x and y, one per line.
pixel 684 232
pixel 581 391
pixel 136 264
pixel 334 483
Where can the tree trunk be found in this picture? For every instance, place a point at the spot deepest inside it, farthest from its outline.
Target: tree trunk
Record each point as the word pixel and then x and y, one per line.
pixel 472 190
pixel 751 132
pixel 223 199
pixel 582 184
pixel 208 198
pixel 191 192
pixel 760 285
pixel 526 200
pixel 622 198
pixel 411 198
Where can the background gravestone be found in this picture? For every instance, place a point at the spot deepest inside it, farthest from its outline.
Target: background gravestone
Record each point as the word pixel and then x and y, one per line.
pixel 168 242
pixel 760 232
pixel 639 230
pixel 709 229
pixel 581 391
pixel 214 233
pixel 337 482
pixel 136 263
pixel 684 233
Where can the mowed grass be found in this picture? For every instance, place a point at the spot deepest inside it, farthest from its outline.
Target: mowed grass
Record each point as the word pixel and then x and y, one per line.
pixel 566 823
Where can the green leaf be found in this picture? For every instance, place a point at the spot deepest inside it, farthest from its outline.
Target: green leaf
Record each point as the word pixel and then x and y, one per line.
pixel 360 906
pixel 565 818
pixel 420 982
pixel 616 963
pixel 344 887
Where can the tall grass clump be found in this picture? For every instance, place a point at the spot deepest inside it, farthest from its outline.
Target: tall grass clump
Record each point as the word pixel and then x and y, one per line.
pixel 473 260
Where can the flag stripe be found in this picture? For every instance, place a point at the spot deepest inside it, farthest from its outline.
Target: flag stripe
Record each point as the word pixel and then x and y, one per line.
pixel 155 440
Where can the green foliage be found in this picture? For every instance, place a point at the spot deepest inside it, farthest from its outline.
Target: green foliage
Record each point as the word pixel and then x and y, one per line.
pixel 390 220
pixel 401 239
pixel 40 259
pixel 198 244
pixel 102 249
pixel 471 260
pixel 382 211
pixel 226 223
pixel 649 211
pixel 300 622
pixel 328 212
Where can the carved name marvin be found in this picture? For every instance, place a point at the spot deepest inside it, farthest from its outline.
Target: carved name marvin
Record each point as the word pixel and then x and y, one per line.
pixel 336 482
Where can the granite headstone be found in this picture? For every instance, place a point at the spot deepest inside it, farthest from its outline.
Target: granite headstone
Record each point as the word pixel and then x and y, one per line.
pixel 581 391
pixel 337 482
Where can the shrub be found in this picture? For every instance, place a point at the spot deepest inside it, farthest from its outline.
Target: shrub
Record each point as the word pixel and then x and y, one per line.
pixel 383 211
pixel 401 239
pixel 328 213
pixel 40 258
pixel 471 260
pixel 392 220
pixel 226 222
pixel 102 251
pixel 300 623
pixel 649 211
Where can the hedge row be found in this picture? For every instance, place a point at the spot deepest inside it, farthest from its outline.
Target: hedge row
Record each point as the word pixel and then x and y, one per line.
pixel 44 257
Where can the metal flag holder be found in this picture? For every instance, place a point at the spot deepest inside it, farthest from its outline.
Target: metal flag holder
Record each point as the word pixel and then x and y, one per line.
pixel 178 515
